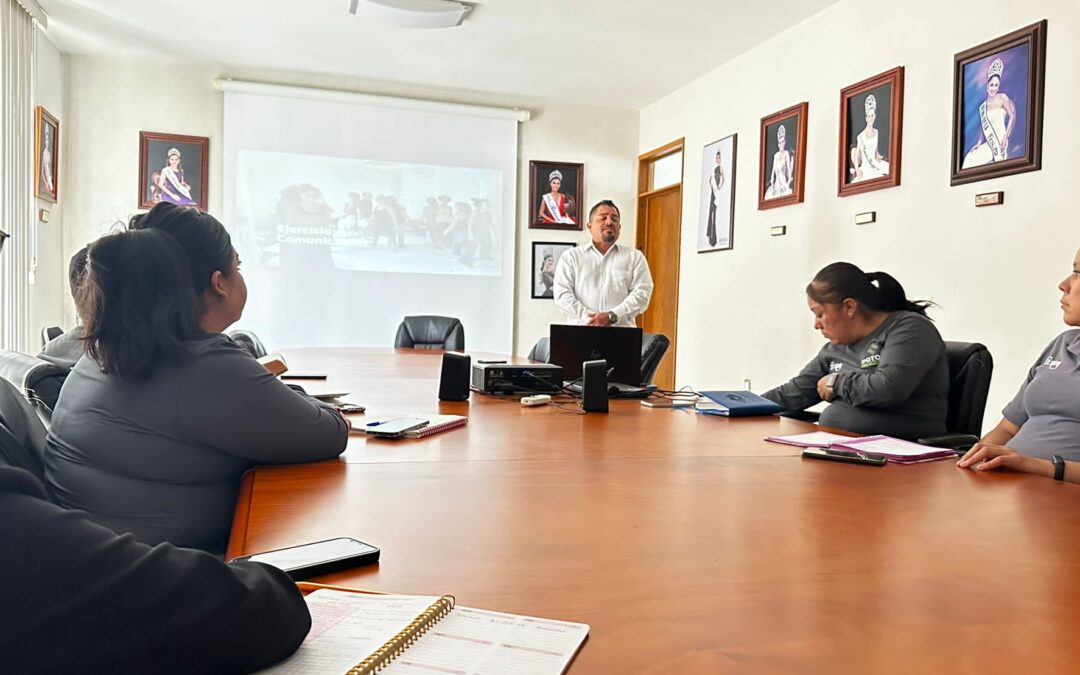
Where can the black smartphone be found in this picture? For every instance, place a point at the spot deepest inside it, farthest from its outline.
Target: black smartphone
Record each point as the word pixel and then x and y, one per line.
pixel 316 558
pixel 838 455
pixel 350 408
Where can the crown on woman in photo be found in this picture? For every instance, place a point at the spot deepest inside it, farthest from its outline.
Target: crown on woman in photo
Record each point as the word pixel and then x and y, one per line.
pixel 781 133
pixel 996 68
pixel 870 104
pixel 171 152
pixel 554 174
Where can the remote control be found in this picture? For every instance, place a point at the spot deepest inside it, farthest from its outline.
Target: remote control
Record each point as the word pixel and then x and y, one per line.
pixel 538 399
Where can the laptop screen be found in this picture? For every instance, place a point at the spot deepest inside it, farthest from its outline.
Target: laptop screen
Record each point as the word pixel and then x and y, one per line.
pixel 620 347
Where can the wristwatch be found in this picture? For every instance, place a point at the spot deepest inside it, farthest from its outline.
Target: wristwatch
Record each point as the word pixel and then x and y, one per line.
pixel 1059 467
pixel 612 318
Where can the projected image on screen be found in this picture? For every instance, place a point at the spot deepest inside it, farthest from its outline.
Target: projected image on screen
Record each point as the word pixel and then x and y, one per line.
pixel 302 211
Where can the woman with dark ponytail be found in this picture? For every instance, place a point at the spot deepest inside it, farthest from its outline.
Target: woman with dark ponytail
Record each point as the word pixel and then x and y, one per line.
pixel 883 370
pixel 154 429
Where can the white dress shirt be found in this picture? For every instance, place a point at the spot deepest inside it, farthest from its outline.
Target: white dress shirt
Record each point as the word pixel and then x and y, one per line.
pixel 589 281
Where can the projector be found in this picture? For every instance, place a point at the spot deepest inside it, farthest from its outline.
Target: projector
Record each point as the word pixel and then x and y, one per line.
pixel 502 378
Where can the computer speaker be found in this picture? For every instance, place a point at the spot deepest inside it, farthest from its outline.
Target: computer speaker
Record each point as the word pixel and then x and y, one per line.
pixel 594 393
pixel 454 381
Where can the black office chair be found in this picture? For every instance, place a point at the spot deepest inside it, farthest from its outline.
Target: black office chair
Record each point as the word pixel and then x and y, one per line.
pixel 39 380
pixel 970 368
pixel 653 348
pixel 430 332
pixel 249 341
pixel 22 435
pixel 49 333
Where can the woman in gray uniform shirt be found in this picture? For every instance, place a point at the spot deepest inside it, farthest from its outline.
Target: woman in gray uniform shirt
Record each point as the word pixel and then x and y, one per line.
pixel 884 369
pixel 153 431
pixel 1039 431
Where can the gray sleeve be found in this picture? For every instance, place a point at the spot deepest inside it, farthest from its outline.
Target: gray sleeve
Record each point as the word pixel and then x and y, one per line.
pixel 912 347
pixel 801 391
pixel 1015 411
pixel 230 402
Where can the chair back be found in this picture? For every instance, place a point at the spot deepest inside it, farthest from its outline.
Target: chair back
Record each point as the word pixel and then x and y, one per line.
pixel 34 377
pixel 49 333
pixel 541 351
pixel 970 368
pixel 653 348
pixel 22 434
pixel 249 341
pixel 430 332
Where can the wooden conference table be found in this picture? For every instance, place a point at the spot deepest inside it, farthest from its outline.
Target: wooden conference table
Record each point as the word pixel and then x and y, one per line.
pixel 686 542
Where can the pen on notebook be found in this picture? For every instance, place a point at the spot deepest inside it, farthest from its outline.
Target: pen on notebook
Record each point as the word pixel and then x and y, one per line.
pixel 376 423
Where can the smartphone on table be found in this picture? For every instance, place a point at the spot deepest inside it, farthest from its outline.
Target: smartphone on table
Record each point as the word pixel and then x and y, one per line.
pixel 838 455
pixel 317 558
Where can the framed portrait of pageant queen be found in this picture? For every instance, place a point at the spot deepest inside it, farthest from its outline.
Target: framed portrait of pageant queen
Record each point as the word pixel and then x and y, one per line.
pixel 871 126
pixel 717 213
pixel 998 90
pixel 782 170
pixel 555 195
pixel 173 168
pixel 46 156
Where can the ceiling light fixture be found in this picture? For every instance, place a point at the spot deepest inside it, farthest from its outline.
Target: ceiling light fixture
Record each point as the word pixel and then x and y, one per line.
pixel 413 13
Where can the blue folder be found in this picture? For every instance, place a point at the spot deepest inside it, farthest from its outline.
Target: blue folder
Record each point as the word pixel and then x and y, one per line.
pixel 736 404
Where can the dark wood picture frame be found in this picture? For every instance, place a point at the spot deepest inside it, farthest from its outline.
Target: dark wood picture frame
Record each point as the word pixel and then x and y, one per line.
pixel 800 112
pixel 1034 36
pixel 197 192
pixel 730 180
pixel 539 185
pixel 895 80
pixel 42 120
pixel 537 246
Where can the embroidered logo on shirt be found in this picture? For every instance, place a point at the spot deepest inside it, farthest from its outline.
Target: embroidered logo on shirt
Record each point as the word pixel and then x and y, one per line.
pixel 835 366
pixel 873 356
pixel 1051 363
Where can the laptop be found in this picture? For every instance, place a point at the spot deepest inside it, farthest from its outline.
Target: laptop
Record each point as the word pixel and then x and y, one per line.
pixel 619 346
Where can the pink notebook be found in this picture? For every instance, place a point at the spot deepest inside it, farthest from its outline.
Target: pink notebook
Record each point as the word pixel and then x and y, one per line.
pixel 895 450
pixel 438 424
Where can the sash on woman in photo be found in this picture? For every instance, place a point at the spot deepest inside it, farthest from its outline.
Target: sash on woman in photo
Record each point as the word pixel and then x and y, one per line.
pixel 555 210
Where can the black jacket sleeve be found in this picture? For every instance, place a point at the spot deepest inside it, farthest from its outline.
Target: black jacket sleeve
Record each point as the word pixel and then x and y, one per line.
pixel 76 597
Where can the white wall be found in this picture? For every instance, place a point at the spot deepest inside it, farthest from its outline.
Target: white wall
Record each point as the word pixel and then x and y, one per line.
pixel 111 101
pixel 606 142
pixel 993 270
pixel 49 292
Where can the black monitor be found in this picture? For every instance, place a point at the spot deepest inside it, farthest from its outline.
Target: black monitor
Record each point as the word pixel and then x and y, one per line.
pixel 620 347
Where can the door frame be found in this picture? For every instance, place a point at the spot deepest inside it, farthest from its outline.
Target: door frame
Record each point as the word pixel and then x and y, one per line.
pixel 645 162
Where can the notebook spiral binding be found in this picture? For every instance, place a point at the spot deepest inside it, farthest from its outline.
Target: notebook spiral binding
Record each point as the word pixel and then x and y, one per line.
pixel 393 647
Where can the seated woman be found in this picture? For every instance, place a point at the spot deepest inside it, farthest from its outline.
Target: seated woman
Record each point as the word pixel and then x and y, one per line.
pixel 1039 431
pixel 153 431
pixel 884 369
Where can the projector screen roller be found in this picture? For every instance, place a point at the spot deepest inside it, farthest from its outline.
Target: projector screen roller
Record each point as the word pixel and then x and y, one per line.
pixel 347 225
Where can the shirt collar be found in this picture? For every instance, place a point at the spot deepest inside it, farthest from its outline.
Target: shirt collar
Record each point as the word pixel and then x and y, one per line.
pixel 592 246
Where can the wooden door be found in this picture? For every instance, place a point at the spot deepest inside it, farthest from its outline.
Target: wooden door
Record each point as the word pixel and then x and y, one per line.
pixel 658 237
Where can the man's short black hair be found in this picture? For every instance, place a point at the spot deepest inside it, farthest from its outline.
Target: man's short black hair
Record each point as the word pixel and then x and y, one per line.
pixel 604 202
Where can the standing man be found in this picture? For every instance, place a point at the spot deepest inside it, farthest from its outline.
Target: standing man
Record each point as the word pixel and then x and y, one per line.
pixel 602 283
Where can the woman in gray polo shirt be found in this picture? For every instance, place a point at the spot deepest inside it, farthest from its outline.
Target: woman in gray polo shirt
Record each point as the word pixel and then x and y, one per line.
pixel 883 370
pixel 153 431
pixel 1039 431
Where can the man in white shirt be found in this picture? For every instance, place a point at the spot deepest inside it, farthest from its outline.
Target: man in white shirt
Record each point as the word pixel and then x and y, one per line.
pixel 602 283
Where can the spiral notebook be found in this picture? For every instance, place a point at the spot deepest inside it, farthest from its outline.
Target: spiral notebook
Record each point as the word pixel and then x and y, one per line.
pixel 437 423
pixel 357 634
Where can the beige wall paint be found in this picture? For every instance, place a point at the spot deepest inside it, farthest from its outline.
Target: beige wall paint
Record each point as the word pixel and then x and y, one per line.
pixel 50 290
pixel 106 117
pixel 993 271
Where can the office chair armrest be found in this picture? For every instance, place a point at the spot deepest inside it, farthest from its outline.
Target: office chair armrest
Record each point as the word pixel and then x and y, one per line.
pixel 961 443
